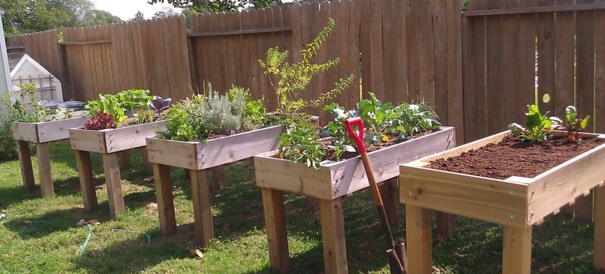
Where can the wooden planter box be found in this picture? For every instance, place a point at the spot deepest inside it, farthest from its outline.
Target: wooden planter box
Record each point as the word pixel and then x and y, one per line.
pixel 41 134
pixel 197 158
pixel 107 142
pixel 333 181
pixel 517 202
pixel 113 140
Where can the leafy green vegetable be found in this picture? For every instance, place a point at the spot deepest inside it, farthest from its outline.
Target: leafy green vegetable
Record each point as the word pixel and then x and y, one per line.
pixel 380 120
pixel 537 126
pixel 300 144
pixel 573 123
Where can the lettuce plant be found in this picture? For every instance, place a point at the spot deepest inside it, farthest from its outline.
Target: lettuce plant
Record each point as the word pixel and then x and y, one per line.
pixel 537 126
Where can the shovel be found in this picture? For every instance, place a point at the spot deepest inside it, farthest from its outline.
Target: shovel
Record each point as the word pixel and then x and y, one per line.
pixel 396 254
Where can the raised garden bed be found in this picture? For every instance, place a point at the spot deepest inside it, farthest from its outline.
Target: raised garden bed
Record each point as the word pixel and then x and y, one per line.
pixel 197 158
pixel 332 182
pixel 41 133
pixel 516 202
pixel 107 142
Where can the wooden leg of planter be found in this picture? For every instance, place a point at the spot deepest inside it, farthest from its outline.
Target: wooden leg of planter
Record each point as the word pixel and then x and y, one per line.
pixel 87 186
pixel 516 257
pixel 27 170
pixel 219 179
pixel 599 229
pixel 388 192
pixel 164 198
pixel 46 179
pixel 125 159
pixel 202 213
pixel 145 159
pixel 333 236
pixel 113 181
pixel 583 208
pixel 275 225
pixel 418 239
pixel 446 225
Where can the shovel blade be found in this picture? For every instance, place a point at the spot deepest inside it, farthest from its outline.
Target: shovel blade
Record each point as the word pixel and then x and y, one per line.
pixel 394 263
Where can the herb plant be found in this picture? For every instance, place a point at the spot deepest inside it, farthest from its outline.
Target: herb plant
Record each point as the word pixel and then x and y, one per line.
pixel 573 123
pixel 132 100
pixel 212 113
pixel 537 126
pixel 300 144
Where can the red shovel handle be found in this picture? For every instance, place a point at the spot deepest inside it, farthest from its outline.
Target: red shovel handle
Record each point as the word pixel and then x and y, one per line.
pixel 349 123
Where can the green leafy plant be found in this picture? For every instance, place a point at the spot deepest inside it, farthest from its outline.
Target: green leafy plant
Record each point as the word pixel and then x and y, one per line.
pixel 134 99
pixel 213 113
pixel 108 104
pixel 381 121
pixel 573 123
pixel 300 144
pixel 290 80
pixel 100 121
pixel 537 126
pixel 12 112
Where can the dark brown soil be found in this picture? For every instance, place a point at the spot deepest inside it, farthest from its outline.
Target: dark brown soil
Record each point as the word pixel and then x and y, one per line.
pixel 512 157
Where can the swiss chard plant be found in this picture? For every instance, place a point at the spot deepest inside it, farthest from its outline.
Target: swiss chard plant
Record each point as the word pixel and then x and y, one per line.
pixel 133 101
pixel 537 126
pixel 573 123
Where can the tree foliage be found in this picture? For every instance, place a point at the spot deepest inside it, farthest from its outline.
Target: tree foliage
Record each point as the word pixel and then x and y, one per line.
pixel 219 5
pixel 26 16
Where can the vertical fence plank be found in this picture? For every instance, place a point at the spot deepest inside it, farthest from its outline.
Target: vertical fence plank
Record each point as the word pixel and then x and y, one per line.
pixel 439 31
pixel 564 59
pixel 376 46
pixel 546 58
pixel 354 65
pixel 365 47
pixel 526 52
pixel 453 88
pixel 585 62
pixel 599 115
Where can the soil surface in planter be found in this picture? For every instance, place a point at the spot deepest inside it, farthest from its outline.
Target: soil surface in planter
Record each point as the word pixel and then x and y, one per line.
pixel 512 157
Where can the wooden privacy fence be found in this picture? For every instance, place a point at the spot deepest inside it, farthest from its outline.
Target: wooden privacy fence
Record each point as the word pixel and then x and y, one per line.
pixel 516 51
pixel 398 49
pixel 41 46
pixel 107 59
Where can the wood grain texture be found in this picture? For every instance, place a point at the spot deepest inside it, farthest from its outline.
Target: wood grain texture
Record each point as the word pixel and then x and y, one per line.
pixel 214 152
pixel 275 225
pixel 113 182
pixel 516 256
pixel 25 162
pixel 333 236
pixel 44 170
pixel 337 179
pixel 164 199
pixel 599 229
pixel 418 239
pixel 87 186
pixel 202 213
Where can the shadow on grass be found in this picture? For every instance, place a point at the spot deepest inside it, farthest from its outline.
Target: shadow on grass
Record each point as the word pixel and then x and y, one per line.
pixel 16 194
pixel 54 221
pixel 131 256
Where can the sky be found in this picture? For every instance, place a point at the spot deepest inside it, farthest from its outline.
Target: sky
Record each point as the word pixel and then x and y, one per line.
pixel 126 9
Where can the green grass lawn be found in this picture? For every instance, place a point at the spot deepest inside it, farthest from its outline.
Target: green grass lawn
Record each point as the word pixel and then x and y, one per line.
pixel 40 235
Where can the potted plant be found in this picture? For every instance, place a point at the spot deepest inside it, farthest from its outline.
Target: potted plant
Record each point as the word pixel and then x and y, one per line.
pixel 36 124
pixel 119 122
pixel 514 178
